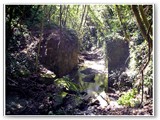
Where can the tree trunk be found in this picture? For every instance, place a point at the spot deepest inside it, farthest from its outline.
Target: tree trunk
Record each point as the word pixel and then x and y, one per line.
pixel 41 38
pixel 86 15
pixel 66 15
pixel 122 24
pixel 82 17
pixel 60 19
pixel 49 15
pixel 144 18
pixel 35 13
pixel 78 9
pixel 141 25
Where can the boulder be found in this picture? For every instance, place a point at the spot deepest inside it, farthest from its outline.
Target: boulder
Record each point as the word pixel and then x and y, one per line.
pixel 117 56
pixel 60 51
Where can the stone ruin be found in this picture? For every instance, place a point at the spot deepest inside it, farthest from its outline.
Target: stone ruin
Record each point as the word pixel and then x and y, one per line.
pixel 59 51
pixel 117 58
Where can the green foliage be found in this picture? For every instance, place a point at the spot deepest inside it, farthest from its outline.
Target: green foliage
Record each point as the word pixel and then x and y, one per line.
pixel 128 99
pixel 48 75
pixel 66 83
pixel 95 16
pixel 139 58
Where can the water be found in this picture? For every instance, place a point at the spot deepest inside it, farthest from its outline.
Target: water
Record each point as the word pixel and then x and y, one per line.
pixel 93 77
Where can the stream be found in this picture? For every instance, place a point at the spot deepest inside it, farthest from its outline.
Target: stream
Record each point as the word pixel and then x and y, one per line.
pixel 94 81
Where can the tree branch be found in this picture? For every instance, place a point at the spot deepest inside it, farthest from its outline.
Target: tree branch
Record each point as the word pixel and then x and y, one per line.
pixel 141 25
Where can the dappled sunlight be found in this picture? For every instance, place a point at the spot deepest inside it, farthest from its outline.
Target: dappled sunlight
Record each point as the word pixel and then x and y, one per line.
pixel 44 72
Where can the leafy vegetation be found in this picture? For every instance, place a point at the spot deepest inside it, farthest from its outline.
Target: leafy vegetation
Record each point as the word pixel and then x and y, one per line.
pixel 66 83
pixel 129 98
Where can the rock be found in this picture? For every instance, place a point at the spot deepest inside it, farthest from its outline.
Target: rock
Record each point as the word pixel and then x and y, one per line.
pixel 114 104
pixel 59 52
pixel 50 113
pixel 117 54
pixel 89 71
pixel 102 102
pixel 124 80
pixel 89 78
pixel 117 51
pixel 80 59
pixel 41 106
pixel 8 113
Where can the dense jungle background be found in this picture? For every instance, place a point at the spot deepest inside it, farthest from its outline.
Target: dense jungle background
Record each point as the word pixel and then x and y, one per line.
pixel 79 60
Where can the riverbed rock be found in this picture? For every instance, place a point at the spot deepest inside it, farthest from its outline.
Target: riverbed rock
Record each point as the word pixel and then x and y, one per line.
pixel 89 71
pixel 89 78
